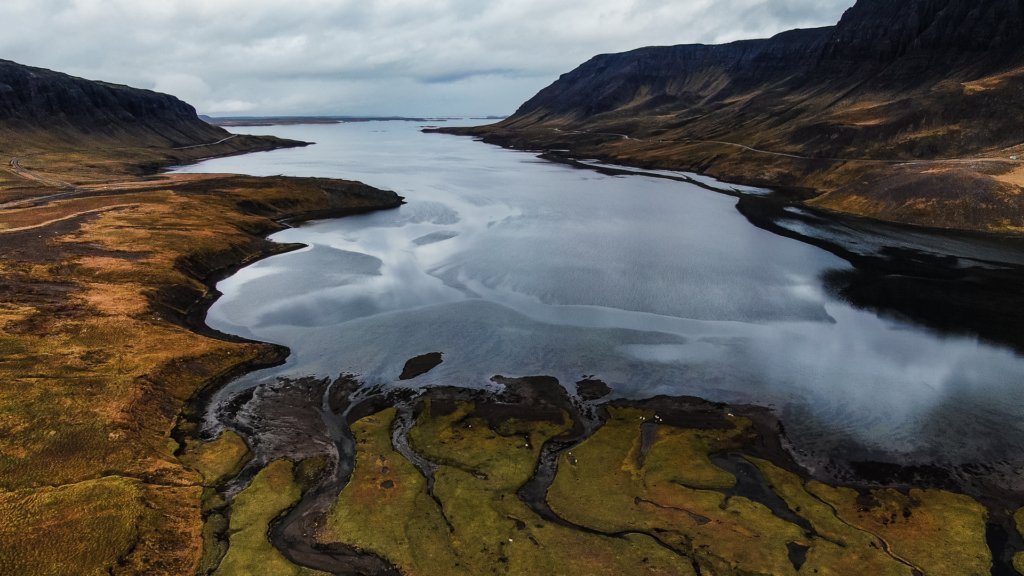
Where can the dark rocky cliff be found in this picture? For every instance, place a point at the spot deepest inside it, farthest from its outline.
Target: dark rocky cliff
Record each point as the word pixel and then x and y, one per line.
pixel 886 29
pixel 38 100
pixel 903 42
pixel 690 74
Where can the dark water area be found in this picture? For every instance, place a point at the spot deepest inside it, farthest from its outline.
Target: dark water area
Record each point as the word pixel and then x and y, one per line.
pixel 872 343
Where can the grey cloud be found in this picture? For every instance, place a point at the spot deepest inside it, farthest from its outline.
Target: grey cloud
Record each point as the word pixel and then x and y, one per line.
pixel 449 77
pixel 412 57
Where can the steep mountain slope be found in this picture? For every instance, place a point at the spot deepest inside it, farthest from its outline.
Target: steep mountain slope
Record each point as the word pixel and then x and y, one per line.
pixel 34 99
pixel 841 110
pixel 59 132
pixel 46 116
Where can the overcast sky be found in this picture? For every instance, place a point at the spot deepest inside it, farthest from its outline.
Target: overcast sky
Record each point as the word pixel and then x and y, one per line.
pixel 367 57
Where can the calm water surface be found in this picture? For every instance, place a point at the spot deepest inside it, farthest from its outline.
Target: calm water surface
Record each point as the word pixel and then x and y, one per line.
pixel 513 265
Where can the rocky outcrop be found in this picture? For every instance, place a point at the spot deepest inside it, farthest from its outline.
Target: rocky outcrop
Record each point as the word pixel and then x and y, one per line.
pixel 884 30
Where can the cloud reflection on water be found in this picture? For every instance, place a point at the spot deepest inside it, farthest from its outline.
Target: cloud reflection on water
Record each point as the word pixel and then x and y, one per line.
pixel 513 266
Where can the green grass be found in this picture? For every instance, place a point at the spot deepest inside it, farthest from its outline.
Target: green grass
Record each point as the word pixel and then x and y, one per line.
pixel 1018 560
pixel 601 485
pixel 81 529
pixel 219 459
pixel 840 548
pixel 937 531
pixel 272 492
pixel 214 548
pixel 673 493
pixel 386 509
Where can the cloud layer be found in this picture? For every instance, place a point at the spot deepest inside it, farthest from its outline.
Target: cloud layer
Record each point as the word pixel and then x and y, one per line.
pixel 408 57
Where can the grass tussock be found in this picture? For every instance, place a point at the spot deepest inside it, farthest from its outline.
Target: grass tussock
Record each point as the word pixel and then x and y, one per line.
pixel 82 528
pixel 218 460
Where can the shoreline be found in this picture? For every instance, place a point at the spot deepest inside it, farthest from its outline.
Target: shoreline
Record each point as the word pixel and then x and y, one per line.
pixel 110 290
pixel 702 159
pixel 532 402
pixel 778 194
pixel 991 263
pixel 194 318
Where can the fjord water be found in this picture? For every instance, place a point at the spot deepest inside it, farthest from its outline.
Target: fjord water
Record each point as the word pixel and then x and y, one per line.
pixel 513 265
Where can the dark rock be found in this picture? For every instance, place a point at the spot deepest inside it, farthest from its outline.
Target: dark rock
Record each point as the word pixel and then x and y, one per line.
pixel 420 365
pixel 590 389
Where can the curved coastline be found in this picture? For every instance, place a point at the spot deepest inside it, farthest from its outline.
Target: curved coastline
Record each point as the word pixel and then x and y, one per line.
pixel 339 557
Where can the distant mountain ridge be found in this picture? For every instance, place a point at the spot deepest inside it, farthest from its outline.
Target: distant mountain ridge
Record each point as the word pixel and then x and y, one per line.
pixel 894 80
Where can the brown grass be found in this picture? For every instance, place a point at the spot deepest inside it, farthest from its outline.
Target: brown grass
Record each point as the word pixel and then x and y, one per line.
pixel 1014 176
pixel 95 362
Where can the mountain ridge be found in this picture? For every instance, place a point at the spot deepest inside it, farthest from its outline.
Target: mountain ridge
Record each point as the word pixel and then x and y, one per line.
pixel 841 110
pixel 48 112
pixel 36 98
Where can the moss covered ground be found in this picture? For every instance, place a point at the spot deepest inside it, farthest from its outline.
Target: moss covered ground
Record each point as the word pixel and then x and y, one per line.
pixel 272 492
pixel 219 459
pixel 476 525
pixel 1018 560
pixel 95 523
pixel 631 501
